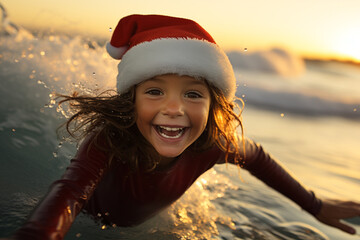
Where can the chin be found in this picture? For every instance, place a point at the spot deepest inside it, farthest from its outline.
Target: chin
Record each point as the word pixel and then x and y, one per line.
pixel 172 154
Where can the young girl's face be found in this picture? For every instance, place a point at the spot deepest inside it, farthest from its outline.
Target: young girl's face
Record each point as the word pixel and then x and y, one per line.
pixel 172 112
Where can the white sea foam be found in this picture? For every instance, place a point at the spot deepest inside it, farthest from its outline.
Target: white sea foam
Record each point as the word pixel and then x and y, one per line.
pixel 276 61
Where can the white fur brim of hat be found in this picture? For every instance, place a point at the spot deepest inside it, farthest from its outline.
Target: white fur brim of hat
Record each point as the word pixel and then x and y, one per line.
pixel 191 57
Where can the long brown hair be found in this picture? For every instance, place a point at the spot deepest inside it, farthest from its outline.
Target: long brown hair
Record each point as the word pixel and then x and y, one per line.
pixel 222 126
pixel 112 118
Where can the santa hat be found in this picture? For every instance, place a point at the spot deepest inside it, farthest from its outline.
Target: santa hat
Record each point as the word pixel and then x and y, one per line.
pixel 151 45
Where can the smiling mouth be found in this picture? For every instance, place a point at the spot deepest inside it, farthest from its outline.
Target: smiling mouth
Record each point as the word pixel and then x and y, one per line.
pixel 170 132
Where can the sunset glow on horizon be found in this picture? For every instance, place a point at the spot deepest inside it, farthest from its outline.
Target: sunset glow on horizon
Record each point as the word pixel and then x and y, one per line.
pixel 313 29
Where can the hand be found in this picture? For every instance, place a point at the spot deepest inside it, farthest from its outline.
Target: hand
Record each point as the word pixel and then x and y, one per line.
pixel 332 211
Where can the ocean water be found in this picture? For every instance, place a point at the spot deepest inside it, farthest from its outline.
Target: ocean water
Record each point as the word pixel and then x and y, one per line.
pixel 306 114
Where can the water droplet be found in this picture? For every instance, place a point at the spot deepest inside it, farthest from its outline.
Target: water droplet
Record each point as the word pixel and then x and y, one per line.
pixel 282 115
pixel 110 29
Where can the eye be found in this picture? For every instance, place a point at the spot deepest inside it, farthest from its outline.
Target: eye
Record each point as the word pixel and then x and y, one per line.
pixel 155 92
pixel 193 94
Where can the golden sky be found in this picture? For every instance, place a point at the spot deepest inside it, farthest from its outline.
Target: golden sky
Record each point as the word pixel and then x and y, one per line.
pixel 311 28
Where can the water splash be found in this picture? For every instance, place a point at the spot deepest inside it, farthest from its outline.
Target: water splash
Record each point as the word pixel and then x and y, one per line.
pixel 60 64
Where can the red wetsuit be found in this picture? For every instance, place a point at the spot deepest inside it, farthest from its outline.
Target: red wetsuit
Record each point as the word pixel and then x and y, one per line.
pixel 126 200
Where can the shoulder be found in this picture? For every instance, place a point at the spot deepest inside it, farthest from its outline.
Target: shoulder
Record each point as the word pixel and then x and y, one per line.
pixel 248 152
pixel 93 148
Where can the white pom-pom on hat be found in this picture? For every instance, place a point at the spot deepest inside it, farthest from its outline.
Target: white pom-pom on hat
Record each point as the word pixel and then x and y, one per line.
pixel 116 52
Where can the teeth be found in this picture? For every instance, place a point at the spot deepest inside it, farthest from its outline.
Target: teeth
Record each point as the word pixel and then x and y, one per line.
pixel 167 136
pixel 170 129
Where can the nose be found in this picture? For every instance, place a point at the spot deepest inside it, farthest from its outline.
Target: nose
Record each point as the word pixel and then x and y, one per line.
pixel 173 107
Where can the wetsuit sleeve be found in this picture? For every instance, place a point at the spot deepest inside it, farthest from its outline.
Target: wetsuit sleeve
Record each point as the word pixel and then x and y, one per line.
pixel 66 197
pixel 264 167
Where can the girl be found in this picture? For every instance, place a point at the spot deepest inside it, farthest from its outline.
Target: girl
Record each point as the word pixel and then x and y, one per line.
pixel 171 119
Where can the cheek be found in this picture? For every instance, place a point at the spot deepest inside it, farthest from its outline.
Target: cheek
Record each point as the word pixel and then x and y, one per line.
pixel 141 111
pixel 143 116
pixel 201 117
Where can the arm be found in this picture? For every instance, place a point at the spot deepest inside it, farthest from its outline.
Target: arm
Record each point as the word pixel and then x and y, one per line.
pixel 261 165
pixel 264 167
pixel 54 215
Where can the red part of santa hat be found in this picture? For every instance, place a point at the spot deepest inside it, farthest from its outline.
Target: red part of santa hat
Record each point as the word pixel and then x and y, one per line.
pixel 151 45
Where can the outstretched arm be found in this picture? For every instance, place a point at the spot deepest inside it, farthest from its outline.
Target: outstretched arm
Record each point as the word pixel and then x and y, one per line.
pixel 55 214
pixel 267 169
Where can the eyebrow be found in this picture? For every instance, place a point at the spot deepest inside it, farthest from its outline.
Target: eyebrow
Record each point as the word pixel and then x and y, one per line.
pixel 154 79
